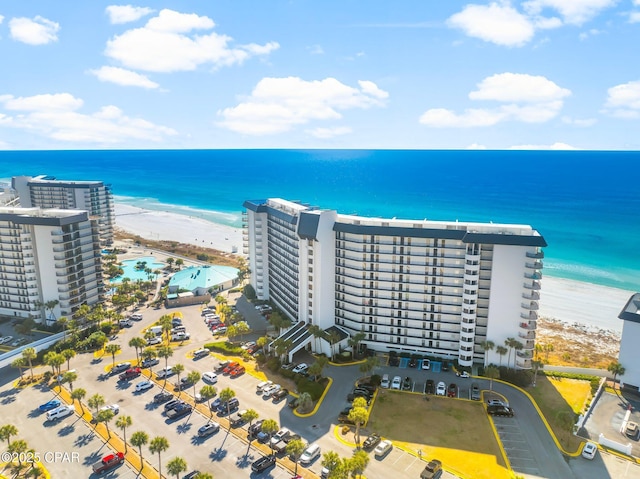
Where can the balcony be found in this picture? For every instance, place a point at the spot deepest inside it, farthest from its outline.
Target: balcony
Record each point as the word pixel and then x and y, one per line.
pixel 534 265
pixel 531 316
pixel 523 363
pixel 535 285
pixel 531 305
pixel 524 354
pixel 535 296
pixel 537 255
pixel 536 275
pixel 528 345
pixel 528 335
pixel 530 326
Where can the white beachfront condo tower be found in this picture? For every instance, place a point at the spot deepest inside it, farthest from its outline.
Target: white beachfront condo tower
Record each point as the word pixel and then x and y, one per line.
pixel 628 356
pixel 48 255
pixel 48 192
pixel 426 287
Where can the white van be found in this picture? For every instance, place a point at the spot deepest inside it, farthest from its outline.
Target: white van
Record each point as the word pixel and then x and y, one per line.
pixel 60 412
pixel 157 330
pixel 310 454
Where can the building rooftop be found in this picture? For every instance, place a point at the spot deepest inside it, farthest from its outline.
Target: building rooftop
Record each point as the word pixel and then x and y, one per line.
pixel 631 311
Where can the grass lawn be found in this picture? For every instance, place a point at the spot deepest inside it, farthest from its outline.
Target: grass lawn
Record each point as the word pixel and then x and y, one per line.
pixel 457 432
pixel 561 400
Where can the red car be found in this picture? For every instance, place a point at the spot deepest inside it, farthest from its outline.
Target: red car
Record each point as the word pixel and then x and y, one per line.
pixel 237 372
pixel 452 391
pixel 230 367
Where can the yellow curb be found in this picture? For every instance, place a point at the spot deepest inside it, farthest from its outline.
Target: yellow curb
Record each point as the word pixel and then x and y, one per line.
pixel 315 409
pixel 352 363
pixel 109 367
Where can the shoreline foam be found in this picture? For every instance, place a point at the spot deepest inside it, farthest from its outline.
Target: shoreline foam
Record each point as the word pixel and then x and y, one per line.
pixel 564 300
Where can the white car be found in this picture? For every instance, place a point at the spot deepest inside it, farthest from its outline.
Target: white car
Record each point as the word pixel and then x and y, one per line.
pixel 310 454
pixel 112 407
pixel 463 374
pixel 201 353
pixel 300 368
pixel 6 339
pixel 210 377
pixel 165 372
pixel 143 385
pixel 268 391
pixel 383 448
pixel 426 364
pixel 152 341
pixel 118 368
pixel 396 383
pixel 385 381
pixel 441 389
pixel 589 450
pixel 280 435
pixel 264 384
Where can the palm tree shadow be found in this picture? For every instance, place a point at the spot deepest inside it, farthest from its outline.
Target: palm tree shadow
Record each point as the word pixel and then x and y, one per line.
pixel 84 439
pixel 245 460
pixel 66 430
pixel 184 428
pixel 218 454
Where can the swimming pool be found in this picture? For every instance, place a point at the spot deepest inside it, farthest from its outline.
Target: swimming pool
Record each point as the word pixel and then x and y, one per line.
pixel 134 274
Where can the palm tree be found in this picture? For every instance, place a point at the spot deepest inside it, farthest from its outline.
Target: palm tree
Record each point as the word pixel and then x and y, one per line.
pixel 369 365
pixel 70 377
pixel 149 353
pixel 517 346
pixel 179 263
pixel 166 324
pixel 165 352
pixel 486 347
pixel 112 349
pixel 548 348
pixel 334 338
pixel 282 347
pixel 18 449
pixel 96 402
pixel 359 415
pixel 509 344
pixel 62 323
pixel 203 475
pixel 105 416
pixel 317 332
pixel 305 401
pixel 176 466
pixel 193 377
pixel 139 439
pixel 250 416
pixel 355 341
pixel 29 354
pixel 178 369
pixel 7 431
pixel 54 360
pixel 501 350
pixel 138 344
pixel 19 364
pixel 78 394
pixel 294 449
pixel 158 445
pixel 358 463
pixel 616 369
pixel 270 426
pixel 123 423
pixel 492 373
pixel 331 461
pixel 208 392
pixel 225 396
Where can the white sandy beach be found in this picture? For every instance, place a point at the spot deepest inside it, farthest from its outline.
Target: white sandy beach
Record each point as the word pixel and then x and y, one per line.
pixel 596 307
pixel 164 225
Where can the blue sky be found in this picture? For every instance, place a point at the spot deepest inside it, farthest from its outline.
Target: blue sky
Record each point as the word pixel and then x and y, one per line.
pixel 320 74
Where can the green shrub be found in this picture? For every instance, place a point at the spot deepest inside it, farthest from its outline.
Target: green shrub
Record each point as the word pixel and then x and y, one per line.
pixel 375 380
pixel 315 389
pixel 249 292
pixel 273 364
pixel 225 347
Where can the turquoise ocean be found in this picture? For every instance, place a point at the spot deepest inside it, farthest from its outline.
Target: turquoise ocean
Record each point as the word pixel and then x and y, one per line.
pixel 585 203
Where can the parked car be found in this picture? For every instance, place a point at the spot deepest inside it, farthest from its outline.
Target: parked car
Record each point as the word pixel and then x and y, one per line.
pixel 201 353
pixel 413 362
pixel 264 384
pixel 255 428
pixel 475 392
pixel 248 344
pixel 108 462
pixel 310 454
pixel 173 403
pixel 162 397
pixel 500 411
pixel 426 364
pixel 229 367
pixel 407 384
pixel 433 470
pixel 118 368
pixel 229 406
pixel 371 441
pixel 5 339
pixel 363 393
pixel 208 429
pixel 235 372
pixel 463 374
pixel 384 383
pixel 281 435
pixel 165 373
pixel 429 387
pixel 344 416
pixel 632 430
pixel 238 418
pixel 452 391
pixel 269 390
pixel 125 323
pixel 147 363
pixel 114 408
pixel 49 405
pixel 496 402
pixel 441 389
pixel 143 385
pixel 589 450
pixel 182 336
pixel 300 368
pixel 130 374
pixel 264 463
pixel 210 377
pixel 445 366
pixel 280 395
pixel 383 448
pixel 19 342
pixel 183 384
pixel 396 383
pixel 221 365
pixel 136 317
pixel 152 341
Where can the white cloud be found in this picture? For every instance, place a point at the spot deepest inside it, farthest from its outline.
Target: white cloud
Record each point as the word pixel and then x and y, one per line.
pixel 623 101
pixel 126 13
pixel 518 87
pixel 316 50
pixel 123 77
pixel 476 146
pixel 36 31
pixel 325 133
pixel 575 12
pixel 634 17
pixel 46 102
pixel 1 18
pixel 590 33
pixel 581 122
pixel 55 116
pixel 277 105
pixel 554 146
pixel 547 23
pixel 166 44
pixel 525 98
pixel 497 23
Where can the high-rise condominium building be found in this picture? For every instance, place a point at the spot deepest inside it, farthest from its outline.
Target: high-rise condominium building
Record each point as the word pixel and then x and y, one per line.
pixel 426 287
pixel 48 192
pixel 49 262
